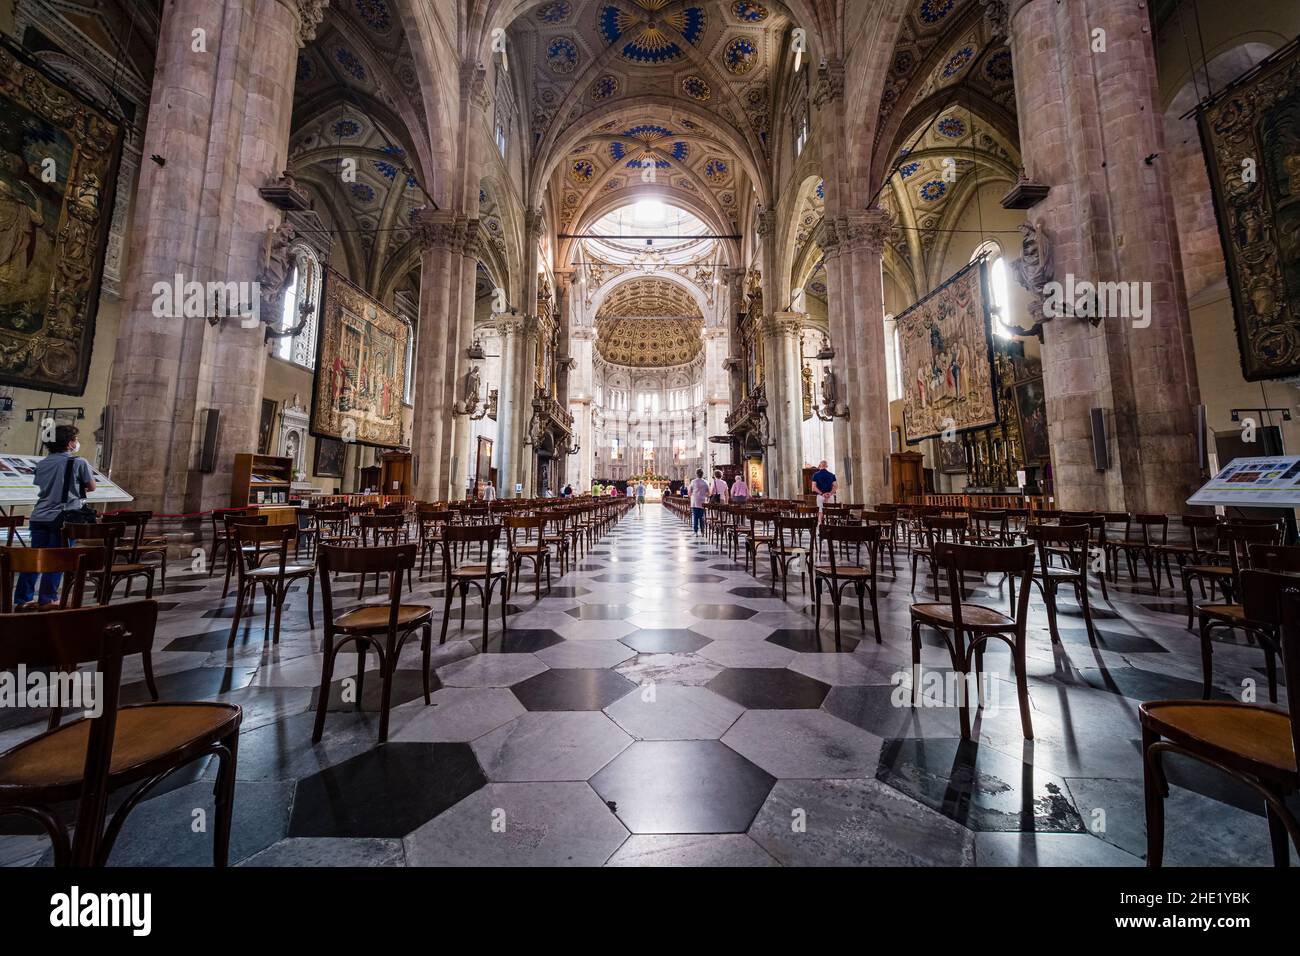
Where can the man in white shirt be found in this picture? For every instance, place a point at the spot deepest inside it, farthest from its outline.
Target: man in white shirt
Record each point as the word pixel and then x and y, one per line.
pixel 699 490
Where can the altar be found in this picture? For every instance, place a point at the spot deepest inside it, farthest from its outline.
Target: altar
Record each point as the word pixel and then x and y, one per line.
pixel 654 487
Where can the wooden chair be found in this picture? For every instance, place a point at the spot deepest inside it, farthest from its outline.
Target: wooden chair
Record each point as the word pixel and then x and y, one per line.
pixel 887 520
pixel 334 526
pixel 148 546
pixel 229 522
pixel 1200 532
pixel 128 557
pixel 1153 535
pixel 383 627
pixel 1245 554
pixel 1253 743
pixel 1219 568
pixel 308 531
pixel 934 530
pixel 556 534
pixel 124 746
pixel 10 524
pixel 460 578
pixel 957 619
pixel 379 530
pixel 794 540
pixel 429 523
pixel 838 576
pixel 220 540
pixel 531 548
pixel 988 527
pixel 1069 545
pixel 761 533
pixel 274 579
pixel 75 564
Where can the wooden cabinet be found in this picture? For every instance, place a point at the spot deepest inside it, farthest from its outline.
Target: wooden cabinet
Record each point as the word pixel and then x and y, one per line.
pixel 260 480
pixel 395 474
pixel 906 475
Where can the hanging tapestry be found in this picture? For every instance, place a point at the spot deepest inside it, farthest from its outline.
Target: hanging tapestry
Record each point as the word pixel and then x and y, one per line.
pixel 58 166
pixel 946 350
pixel 360 368
pixel 1251 137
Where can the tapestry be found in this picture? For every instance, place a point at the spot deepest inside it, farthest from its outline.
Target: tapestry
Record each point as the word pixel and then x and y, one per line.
pixel 360 368
pixel 947 359
pixel 1251 137
pixel 58 166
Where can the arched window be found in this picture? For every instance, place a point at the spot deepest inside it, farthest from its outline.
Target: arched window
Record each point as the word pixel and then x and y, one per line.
pixel 896 380
pixel 998 289
pixel 303 294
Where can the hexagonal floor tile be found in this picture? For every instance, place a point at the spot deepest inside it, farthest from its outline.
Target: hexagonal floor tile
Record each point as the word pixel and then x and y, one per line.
pixel 520 824
pixel 519 640
pixel 804 744
pixel 601 612
pixel 597 654
pixel 761 688
pixel 683 786
pixel 460 714
pixel 491 670
pixel 669 668
pixel 742 653
pixel 683 849
pixel 675 712
pixel 385 792
pixel 809 641
pixel 978 787
pixel 857 823
pixel 723 612
pixel 657 640
pixel 550 746
pixel 573 689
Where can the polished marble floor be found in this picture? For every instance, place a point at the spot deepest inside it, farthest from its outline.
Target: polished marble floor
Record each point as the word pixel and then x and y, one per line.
pixel 661 706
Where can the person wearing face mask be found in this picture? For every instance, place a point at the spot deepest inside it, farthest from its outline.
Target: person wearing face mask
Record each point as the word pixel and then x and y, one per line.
pixel 56 495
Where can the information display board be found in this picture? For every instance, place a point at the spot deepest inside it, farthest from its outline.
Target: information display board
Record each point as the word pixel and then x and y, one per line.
pixel 18 483
pixel 1266 482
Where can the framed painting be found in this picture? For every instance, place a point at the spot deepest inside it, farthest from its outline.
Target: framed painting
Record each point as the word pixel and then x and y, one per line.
pixel 360 368
pixel 1031 406
pixel 330 454
pixel 948 376
pixel 58 166
pixel 1250 133
pixel 952 457
pixel 265 426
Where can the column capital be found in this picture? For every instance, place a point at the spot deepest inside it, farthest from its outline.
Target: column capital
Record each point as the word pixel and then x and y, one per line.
pixel 473 85
pixel 534 219
pixel 997 16
pixel 472 238
pixel 830 83
pixel 789 324
pixel 766 222
pixel 868 231
pixel 510 324
pixel 310 13
pixel 438 229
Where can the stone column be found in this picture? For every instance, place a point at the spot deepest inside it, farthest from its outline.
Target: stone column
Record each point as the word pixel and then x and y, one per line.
pixel 219 119
pixel 838 287
pixel 459 434
pixel 441 236
pixel 1092 130
pixel 511 442
pixel 785 401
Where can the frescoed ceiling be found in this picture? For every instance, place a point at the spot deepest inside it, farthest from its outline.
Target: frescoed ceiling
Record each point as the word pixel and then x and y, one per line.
pixel 649 323
pixel 674 103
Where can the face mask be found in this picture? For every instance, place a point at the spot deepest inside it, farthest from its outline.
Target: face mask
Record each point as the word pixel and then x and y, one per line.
pixel 76 447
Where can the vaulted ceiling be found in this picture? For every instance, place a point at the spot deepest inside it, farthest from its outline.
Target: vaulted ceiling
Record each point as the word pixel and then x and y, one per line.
pixel 665 97
pixel 649 323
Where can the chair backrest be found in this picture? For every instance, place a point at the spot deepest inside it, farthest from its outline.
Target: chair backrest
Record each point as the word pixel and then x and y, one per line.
pixel 943 528
pixel 1075 538
pixel 65 639
pixel 982 559
pixel 798 532
pixel 1270 597
pixel 517 525
pixel 851 535
pixel 393 560
pixel 73 563
pixel 1274 557
pixel 265 539
pixel 133 526
pixel 1148 524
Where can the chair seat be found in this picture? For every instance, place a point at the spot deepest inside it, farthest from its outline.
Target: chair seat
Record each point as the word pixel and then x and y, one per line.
pixel 134 568
pixel 1222 612
pixel 1209 570
pixel 972 615
pixel 1227 731
pixel 476 571
pixel 1054 572
pixel 289 571
pixel 844 571
pixel 529 548
pixel 374 617
pixel 145 733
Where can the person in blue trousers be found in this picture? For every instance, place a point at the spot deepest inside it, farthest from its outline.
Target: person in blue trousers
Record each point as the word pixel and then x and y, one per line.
pixel 52 501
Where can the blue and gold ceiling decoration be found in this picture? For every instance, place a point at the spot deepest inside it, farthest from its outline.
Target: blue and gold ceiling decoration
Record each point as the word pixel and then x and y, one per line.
pixel 645 42
pixel 648 134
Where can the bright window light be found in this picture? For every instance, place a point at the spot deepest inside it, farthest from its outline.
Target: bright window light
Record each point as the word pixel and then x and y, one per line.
pixel 648 212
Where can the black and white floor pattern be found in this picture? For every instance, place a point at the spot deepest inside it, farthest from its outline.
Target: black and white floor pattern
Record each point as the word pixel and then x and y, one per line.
pixel 659 705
